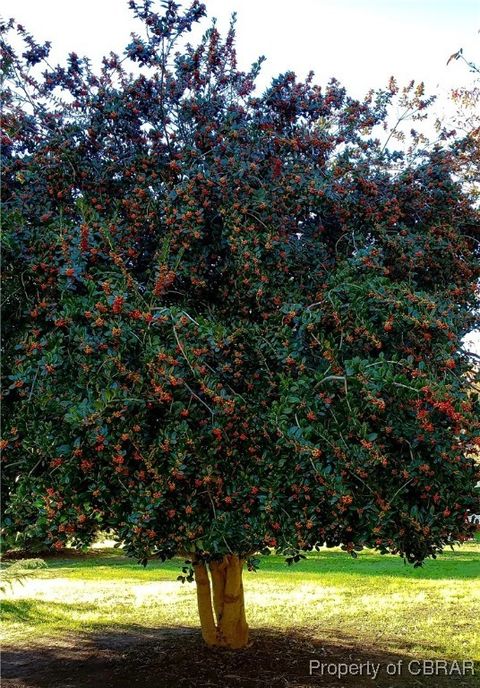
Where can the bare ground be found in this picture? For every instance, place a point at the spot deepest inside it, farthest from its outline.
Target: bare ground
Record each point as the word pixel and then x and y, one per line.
pixel 177 658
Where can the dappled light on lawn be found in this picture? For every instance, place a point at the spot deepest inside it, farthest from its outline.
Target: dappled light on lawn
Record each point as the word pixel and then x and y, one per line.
pixel 329 594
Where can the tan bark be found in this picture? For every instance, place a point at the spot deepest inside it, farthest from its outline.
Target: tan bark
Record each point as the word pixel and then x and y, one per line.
pixel 218 573
pixel 204 602
pixel 231 629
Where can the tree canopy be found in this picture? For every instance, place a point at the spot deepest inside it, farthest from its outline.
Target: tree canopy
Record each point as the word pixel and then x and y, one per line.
pixel 233 319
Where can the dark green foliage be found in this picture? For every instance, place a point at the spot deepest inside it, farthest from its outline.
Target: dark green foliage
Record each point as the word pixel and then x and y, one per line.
pixel 233 321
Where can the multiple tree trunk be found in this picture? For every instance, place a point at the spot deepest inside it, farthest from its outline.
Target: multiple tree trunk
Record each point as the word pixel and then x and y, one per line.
pixel 222 615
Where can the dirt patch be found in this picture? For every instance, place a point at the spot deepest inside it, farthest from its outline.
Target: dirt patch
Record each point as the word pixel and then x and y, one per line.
pixel 177 658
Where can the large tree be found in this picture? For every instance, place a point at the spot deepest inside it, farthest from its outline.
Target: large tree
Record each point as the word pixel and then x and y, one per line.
pixel 233 320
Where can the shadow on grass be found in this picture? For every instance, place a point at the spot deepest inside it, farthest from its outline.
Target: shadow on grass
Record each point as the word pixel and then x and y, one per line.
pixel 460 564
pixel 456 565
pixel 177 658
pixel 37 612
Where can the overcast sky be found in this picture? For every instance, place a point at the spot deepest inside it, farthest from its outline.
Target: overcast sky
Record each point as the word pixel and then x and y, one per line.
pixel 360 42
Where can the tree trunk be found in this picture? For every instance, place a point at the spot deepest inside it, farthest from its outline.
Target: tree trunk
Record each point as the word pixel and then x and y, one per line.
pixel 230 629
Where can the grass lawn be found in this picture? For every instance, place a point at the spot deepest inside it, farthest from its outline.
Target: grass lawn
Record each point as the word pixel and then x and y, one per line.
pixel 373 598
pixel 368 605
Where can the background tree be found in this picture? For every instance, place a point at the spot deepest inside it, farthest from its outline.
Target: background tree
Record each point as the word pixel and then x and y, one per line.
pixel 234 318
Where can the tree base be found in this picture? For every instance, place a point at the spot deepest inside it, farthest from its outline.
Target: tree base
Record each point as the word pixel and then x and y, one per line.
pixel 230 629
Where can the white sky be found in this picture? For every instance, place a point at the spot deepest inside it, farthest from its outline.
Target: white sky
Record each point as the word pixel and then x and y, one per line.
pixel 360 42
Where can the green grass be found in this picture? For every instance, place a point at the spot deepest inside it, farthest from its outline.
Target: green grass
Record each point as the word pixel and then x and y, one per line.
pixel 375 601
